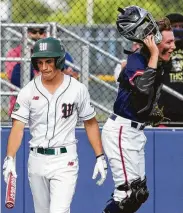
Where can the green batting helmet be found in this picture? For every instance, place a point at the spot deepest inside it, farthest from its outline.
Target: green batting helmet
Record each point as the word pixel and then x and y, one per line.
pixel 49 48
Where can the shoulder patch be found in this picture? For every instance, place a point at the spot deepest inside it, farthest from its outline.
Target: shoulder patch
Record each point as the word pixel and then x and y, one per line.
pixel 16 107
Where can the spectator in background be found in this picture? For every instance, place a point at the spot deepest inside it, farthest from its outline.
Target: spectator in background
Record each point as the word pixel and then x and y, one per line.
pixel 173 77
pixel 119 67
pixel 69 70
pixel 34 34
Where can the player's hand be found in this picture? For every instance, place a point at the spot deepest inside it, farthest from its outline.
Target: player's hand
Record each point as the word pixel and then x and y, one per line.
pixel 151 45
pixel 100 167
pixel 71 72
pixel 9 167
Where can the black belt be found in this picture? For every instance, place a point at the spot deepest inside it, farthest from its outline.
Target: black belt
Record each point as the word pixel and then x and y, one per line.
pixel 49 151
pixel 133 123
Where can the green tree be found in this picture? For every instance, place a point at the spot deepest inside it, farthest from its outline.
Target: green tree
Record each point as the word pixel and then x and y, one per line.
pixel 171 6
pixel 76 14
pixel 29 10
pixel 104 11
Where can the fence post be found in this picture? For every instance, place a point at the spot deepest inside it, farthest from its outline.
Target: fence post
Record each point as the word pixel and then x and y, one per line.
pixel 84 78
pixel 53 29
pixel 6 47
pixel 48 31
pixel 25 64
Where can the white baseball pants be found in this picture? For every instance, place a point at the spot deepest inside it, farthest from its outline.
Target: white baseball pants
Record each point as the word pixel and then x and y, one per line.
pixel 124 147
pixel 53 180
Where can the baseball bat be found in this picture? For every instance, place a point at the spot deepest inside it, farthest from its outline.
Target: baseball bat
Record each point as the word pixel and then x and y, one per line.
pixel 10 192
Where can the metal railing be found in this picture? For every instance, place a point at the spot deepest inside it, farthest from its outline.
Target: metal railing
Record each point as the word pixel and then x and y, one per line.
pixel 52 30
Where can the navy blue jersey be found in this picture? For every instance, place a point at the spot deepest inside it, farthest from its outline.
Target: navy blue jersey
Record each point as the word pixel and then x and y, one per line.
pixel 124 105
pixel 15 78
pixel 69 58
pixel 136 64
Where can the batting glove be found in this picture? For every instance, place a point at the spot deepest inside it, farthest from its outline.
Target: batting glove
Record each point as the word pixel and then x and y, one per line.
pixel 9 167
pixel 100 167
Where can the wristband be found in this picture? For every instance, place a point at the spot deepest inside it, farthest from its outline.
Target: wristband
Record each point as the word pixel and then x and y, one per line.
pixel 99 155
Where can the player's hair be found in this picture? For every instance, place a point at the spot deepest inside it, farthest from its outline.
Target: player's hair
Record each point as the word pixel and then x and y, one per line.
pixel 164 24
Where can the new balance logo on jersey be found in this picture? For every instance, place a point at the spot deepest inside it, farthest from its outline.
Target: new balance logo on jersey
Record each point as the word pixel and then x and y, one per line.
pixel 35 98
pixel 70 163
pixel 43 46
pixel 67 110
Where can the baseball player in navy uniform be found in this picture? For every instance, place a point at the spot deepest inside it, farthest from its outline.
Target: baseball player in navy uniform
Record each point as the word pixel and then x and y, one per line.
pixel 135 106
pixel 51 104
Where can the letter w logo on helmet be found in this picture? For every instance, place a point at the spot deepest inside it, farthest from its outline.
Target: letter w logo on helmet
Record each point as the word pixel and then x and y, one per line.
pixel 43 46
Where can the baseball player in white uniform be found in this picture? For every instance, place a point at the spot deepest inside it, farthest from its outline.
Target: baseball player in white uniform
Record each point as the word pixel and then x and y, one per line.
pixel 51 104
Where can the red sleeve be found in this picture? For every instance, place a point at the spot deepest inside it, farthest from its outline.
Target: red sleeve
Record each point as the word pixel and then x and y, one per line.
pixel 137 73
pixel 15 52
pixel 136 65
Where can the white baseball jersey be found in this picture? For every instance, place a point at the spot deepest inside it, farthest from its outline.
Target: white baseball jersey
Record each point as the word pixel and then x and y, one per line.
pixel 52 118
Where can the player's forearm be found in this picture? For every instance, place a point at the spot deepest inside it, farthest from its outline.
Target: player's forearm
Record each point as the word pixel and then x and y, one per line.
pixel 153 61
pixel 93 132
pixel 14 141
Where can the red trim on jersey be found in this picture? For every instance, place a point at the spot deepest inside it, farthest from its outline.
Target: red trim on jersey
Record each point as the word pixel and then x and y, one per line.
pixel 121 154
pixel 137 73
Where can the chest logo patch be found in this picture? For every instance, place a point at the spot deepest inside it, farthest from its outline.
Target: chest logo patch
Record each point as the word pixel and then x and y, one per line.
pixel 67 110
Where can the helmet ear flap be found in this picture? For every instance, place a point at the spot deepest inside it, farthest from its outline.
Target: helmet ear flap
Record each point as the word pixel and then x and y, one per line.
pixel 34 63
pixel 60 62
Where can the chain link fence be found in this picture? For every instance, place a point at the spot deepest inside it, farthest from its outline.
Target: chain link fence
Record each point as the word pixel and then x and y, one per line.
pixel 87 29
